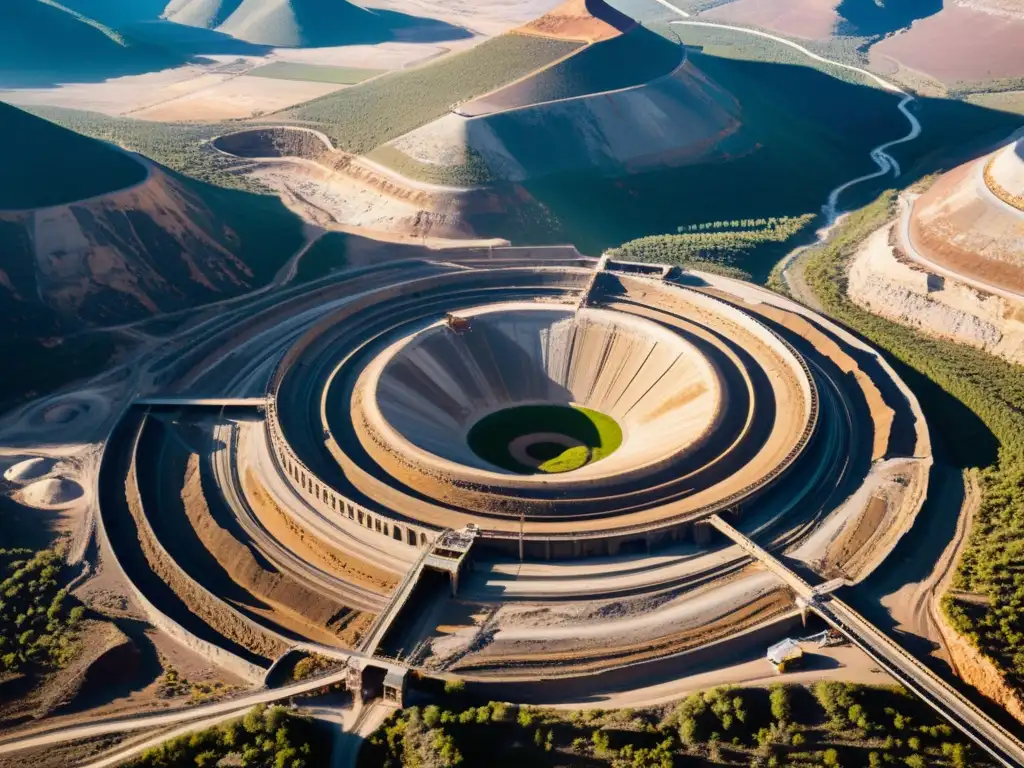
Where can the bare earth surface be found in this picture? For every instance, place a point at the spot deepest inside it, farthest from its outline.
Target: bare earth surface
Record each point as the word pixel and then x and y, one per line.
pixel 810 19
pixel 957 44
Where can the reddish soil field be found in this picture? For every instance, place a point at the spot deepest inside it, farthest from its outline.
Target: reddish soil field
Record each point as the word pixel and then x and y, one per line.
pixel 958 45
pixel 810 19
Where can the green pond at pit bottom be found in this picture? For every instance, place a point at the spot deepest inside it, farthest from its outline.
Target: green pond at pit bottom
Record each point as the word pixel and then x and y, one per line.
pixel 599 434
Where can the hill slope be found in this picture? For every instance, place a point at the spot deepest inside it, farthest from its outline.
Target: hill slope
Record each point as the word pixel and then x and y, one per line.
pixel 160 244
pixel 85 167
pixel 305 23
pixel 41 40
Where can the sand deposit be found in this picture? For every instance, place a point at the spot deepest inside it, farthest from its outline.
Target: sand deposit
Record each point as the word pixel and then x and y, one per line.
pixel 51 493
pixel 959 43
pixel 27 470
pixel 809 19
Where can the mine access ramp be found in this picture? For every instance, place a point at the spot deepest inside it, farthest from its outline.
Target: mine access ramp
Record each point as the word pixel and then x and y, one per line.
pixel 448 553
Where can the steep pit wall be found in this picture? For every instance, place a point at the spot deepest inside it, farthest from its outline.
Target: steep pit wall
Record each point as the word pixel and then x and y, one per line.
pixel 200 602
pixel 292 604
pixel 331 188
pixel 120 536
pixel 275 141
pixel 978 671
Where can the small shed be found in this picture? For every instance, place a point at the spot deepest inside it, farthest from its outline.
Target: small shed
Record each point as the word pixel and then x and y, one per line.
pixel 784 653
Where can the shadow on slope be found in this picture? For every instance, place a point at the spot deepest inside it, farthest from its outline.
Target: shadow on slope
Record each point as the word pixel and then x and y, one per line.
pixel 118 13
pixel 70 269
pixel 804 133
pixel 42 44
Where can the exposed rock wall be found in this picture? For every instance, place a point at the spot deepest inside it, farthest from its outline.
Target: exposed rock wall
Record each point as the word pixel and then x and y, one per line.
pixel 976 670
pixel 205 606
pixel 883 283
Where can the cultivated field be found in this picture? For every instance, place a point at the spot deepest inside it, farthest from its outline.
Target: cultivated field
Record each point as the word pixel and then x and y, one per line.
pixel 811 19
pixel 959 44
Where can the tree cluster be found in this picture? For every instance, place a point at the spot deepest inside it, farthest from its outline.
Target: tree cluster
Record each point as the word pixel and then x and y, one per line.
pixel 267 737
pixel 37 618
pixel 830 724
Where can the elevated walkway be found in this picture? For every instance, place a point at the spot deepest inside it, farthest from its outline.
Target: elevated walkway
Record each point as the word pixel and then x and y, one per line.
pixel 798 585
pixel 1006 749
pixel 447 554
pixel 203 402
pixel 998 742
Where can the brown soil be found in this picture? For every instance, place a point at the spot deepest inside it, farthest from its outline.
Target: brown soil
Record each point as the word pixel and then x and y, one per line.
pixel 957 44
pixel 309 547
pixel 881 414
pixel 854 537
pixel 78 752
pixel 584 20
pixel 952 226
pixel 292 605
pixel 210 612
pixel 809 19
pixel 108 658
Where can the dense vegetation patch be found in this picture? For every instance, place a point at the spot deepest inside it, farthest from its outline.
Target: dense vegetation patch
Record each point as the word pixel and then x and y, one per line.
pixel 267 737
pixel 37 618
pixel 596 435
pixel 53 166
pixel 363 117
pixel 993 392
pixel 828 724
pixel 716 243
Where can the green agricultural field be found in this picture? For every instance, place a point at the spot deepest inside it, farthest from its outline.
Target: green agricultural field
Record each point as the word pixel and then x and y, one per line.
pixel 361 118
pixel 314 73
pixel 597 436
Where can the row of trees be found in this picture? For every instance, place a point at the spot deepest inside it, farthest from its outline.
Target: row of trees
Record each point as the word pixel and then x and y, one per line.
pixel 37 618
pixel 828 724
pixel 725 243
pixel 770 223
pixel 977 401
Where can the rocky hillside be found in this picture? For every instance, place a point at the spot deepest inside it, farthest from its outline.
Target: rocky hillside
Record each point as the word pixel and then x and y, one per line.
pixel 76 254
